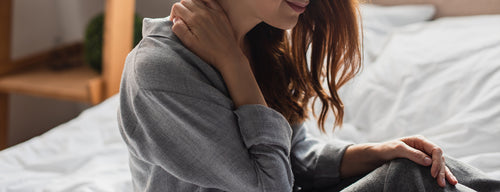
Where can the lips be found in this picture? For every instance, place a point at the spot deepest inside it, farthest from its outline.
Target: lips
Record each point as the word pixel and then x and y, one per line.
pixel 298 7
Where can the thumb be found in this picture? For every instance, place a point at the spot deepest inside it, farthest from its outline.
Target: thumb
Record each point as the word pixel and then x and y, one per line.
pixel 415 155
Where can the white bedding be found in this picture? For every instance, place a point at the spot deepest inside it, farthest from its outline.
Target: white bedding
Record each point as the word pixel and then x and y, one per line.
pixel 84 154
pixel 440 79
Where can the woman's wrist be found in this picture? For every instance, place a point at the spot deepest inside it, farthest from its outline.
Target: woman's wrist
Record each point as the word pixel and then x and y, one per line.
pixel 362 158
pixel 228 62
pixel 240 81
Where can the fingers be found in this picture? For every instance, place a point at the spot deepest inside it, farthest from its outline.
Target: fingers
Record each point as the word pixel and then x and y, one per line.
pixel 172 15
pixel 183 14
pixel 413 154
pixel 182 31
pixel 442 173
pixel 439 170
pixel 437 161
pixel 192 5
pixel 198 3
pixel 446 175
pixel 212 4
pixel 186 9
pixel 422 144
pixel 450 177
pixel 180 10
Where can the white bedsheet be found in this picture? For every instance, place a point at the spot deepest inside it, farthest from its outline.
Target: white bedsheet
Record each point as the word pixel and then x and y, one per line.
pixel 84 154
pixel 440 79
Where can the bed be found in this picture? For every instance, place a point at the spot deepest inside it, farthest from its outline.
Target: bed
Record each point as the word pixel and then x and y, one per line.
pixel 438 78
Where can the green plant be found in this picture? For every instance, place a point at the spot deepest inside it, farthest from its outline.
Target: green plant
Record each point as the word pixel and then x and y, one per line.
pixel 94 39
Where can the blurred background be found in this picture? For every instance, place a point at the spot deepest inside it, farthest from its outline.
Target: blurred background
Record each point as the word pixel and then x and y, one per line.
pixel 43 25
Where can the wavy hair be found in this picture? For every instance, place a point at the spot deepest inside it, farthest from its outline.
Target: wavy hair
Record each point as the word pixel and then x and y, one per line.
pixel 289 79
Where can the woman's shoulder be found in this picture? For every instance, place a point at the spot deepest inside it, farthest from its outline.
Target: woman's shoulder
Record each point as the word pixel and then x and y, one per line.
pixel 161 62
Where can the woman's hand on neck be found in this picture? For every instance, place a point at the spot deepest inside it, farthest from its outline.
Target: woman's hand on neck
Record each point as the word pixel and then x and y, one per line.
pixel 241 19
pixel 207 30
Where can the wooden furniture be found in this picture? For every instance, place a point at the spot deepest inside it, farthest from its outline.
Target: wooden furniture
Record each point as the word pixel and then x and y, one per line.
pixel 31 75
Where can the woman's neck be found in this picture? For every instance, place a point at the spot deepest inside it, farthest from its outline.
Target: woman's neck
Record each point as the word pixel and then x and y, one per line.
pixel 241 19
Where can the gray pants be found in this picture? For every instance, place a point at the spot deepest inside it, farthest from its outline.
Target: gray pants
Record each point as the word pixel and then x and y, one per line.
pixel 405 175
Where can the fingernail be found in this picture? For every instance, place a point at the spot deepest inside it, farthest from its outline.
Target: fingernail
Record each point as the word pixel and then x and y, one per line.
pixel 175 20
pixel 427 160
pixel 442 181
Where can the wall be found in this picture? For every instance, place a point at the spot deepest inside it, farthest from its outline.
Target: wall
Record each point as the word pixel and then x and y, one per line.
pixel 154 8
pixel 43 24
pixel 446 8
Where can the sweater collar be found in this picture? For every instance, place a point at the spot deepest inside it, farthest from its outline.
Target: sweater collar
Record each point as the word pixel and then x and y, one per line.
pixel 158 27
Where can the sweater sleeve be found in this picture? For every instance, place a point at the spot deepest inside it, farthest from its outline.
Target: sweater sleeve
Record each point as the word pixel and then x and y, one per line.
pixel 316 164
pixel 207 144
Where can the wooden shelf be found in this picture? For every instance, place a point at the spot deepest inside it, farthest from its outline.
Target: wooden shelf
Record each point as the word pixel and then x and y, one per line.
pixel 29 76
pixel 76 84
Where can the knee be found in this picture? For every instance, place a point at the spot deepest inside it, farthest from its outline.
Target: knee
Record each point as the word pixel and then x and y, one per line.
pixel 407 166
pixel 403 162
pixel 406 175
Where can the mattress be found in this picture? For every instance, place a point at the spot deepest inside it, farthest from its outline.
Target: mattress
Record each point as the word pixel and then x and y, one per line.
pixel 440 79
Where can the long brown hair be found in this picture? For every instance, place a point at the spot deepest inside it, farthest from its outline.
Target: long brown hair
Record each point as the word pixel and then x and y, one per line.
pixel 329 28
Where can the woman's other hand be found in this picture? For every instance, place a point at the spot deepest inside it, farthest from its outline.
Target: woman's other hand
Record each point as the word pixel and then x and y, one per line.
pixel 421 151
pixel 362 158
pixel 204 28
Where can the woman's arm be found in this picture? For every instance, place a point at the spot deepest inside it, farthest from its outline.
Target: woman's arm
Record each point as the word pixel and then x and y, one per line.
pixel 178 120
pixel 362 158
pixel 201 143
pixel 262 163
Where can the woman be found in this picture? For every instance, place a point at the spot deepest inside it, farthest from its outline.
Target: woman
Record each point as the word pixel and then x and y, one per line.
pixel 214 99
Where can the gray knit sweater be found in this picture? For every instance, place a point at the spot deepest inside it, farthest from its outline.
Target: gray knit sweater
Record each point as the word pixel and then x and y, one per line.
pixel 184 133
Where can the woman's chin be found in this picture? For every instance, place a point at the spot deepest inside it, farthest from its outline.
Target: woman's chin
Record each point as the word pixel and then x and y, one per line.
pixel 284 25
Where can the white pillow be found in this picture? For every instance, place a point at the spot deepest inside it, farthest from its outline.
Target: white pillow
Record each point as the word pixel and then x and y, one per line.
pixel 380 21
